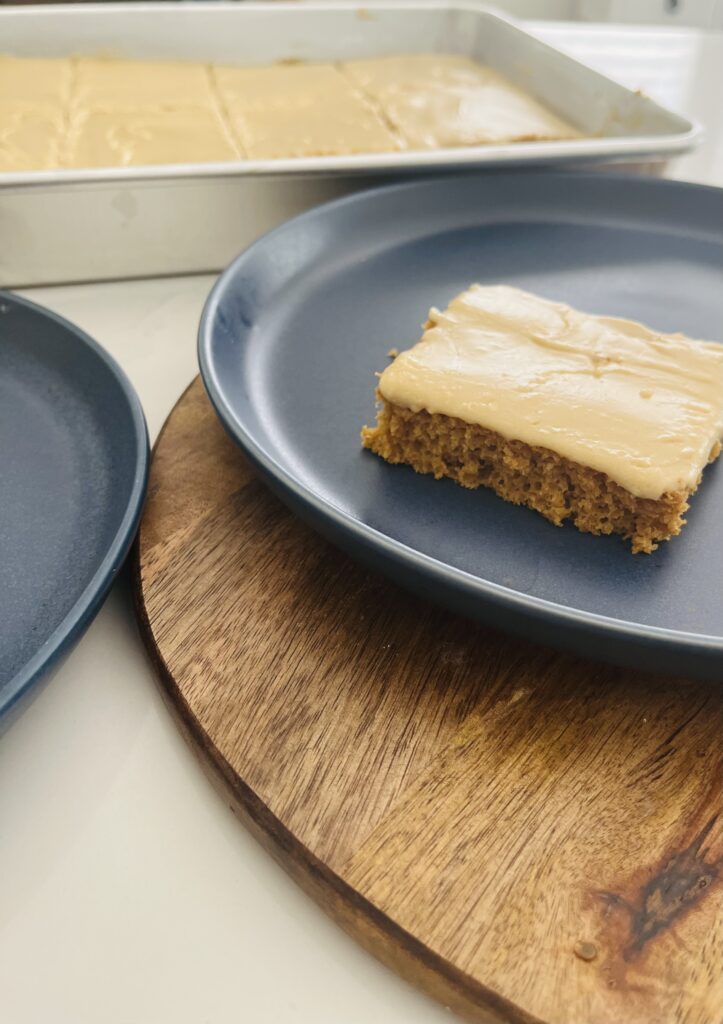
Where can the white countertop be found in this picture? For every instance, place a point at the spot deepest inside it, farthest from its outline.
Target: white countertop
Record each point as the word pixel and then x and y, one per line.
pixel 129 894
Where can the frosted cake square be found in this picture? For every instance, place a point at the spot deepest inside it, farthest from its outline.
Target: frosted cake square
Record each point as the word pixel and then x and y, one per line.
pixel 300 111
pixel 443 100
pixel 594 420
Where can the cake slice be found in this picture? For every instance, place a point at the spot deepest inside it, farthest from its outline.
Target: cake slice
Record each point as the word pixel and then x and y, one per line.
pixel 592 419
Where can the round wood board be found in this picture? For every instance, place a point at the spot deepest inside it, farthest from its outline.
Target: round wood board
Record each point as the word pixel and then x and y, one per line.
pixel 526 835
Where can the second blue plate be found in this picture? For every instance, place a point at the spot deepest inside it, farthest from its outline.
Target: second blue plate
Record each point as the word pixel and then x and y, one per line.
pixel 295 329
pixel 73 466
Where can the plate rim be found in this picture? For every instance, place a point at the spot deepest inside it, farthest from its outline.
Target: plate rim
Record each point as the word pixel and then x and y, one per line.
pixel 88 603
pixel 476 587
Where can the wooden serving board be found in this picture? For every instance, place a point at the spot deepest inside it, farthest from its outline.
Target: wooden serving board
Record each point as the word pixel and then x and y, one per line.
pixel 526 835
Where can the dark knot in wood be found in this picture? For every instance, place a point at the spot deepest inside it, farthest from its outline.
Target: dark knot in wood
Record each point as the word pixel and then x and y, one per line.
pixel 681 883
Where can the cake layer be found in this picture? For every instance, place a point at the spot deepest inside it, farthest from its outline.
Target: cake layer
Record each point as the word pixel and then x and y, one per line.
pixel 644 408
pixel 552 485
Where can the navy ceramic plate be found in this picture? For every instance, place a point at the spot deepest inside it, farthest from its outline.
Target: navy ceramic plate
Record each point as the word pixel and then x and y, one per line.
pixel 295 329
pixel 73 466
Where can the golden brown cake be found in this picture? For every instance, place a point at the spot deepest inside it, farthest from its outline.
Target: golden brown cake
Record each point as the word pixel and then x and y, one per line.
pixel 596 420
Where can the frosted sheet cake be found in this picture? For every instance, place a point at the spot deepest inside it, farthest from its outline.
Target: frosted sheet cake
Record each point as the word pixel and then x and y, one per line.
pixel 91 112
pixel 595 420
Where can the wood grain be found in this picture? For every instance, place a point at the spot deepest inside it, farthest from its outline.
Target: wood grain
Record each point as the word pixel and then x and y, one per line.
pixel 527 835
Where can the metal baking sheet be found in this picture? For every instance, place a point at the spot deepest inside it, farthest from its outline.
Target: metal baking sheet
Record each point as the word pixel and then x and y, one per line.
pixel 92 224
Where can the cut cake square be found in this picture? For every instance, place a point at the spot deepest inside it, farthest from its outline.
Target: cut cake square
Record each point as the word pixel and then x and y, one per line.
pixel 300 110
pixel 597 420
pixel 444 100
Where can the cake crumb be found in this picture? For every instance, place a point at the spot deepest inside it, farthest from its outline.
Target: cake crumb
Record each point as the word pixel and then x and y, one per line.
pixel 523 474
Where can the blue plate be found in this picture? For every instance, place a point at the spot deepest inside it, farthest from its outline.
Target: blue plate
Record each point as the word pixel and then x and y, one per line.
pixel 295 329
pixel 73 467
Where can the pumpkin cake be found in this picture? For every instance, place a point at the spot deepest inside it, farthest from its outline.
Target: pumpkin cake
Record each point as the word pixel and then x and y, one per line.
pixel 595 420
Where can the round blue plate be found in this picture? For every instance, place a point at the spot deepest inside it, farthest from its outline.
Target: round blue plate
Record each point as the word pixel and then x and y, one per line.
pixel 295 329
pixel 73 468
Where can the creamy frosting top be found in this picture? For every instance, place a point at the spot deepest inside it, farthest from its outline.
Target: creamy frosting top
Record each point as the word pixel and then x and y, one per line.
pixel 101 84
pixel 90 112
pixel 300 110
pixel 136 137
pixel 645 408
pixel 439 100
pixel 33 96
